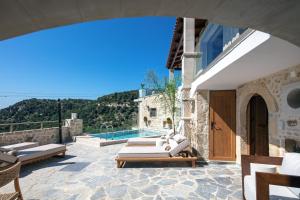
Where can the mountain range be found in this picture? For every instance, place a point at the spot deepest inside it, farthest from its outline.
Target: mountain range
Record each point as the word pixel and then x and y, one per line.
pixel 116 109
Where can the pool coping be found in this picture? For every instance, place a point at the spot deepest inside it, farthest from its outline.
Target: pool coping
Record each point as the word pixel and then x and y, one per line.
pixel 111 142
pixel 103 142
pixel 151 130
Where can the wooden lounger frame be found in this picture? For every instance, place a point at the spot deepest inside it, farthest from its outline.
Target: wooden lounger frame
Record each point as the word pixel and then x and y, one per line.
pixel 61 153
pixel 263 180
pixel 186 157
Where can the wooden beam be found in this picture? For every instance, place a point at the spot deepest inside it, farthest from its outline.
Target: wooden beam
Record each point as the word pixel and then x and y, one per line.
pixel 178 48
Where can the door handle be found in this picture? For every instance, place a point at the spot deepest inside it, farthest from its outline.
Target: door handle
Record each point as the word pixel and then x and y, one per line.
pixel 213 126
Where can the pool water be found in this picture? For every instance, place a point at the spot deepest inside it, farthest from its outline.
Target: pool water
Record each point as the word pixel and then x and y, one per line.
pixel 121 135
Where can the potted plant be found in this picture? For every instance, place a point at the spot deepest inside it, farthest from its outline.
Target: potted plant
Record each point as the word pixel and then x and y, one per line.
pixel 169 122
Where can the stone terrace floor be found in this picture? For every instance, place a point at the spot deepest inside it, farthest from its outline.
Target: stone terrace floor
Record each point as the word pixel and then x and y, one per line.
pixel 90 173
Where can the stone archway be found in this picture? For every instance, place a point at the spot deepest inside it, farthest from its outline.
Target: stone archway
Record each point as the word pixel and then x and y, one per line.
pixel 244 94
pixel 277 17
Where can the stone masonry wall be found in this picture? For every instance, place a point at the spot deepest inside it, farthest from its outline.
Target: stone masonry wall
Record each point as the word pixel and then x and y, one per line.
pixel 75 126
pixel 200 124
pixel 42 136
pixel 152 123
pixel 273 89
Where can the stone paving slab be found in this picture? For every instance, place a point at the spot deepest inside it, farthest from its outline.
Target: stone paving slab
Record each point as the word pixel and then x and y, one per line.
pixel 90 173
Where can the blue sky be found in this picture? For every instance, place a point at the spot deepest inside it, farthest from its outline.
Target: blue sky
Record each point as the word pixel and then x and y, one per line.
pixel 84 60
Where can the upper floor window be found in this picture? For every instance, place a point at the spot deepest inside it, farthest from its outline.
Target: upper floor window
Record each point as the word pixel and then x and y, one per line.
pixel 213 41
pixel 213 46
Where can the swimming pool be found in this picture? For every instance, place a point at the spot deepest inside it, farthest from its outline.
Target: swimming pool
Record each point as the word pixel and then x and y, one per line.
pixel 121 135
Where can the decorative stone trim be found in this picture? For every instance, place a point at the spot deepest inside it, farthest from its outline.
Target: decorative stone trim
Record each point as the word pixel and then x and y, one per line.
pixel 186 118
pixel 191 55
pixel 244 94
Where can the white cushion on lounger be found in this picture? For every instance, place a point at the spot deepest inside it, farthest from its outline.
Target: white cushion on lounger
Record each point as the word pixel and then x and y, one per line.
pixel 160 142
pixel 173 144
pixel 39 151
pixel 275 190
pixel 142 141
pixel 21 146
pixel 175 149
pixel 143 152
pixel 291 166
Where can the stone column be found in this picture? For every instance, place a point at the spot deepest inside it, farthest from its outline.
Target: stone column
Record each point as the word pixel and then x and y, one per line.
pixel 188 61
pixel 188 67
pixel 171 74
pixel 74 125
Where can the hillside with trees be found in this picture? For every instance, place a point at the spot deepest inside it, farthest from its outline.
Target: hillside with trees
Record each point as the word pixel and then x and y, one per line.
pixel 117 109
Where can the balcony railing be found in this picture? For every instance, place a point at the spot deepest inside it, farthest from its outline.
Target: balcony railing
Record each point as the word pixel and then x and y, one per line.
pixel 214 40
pixel 11 127
pixel 223 54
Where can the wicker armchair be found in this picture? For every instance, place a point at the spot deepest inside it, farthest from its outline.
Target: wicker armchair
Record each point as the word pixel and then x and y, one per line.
pixel 6 176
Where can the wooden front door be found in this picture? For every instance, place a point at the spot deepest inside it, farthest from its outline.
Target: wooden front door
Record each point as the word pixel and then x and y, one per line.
pixel 258 126
pixel 222 125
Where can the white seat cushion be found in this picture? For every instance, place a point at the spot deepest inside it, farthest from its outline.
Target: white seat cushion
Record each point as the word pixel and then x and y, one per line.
pixel 142 141
pixel 160 142
pixel 39 151
pixel 143 152
pixel 173 144
pixel 276 192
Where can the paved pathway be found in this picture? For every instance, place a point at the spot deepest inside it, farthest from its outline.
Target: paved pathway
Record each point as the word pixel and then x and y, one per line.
pixel 90 173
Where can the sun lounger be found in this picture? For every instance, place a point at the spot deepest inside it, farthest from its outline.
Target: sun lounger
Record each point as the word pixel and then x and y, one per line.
pixel 177 153
pixel 34 154
pixel 21 146
pixel 40 153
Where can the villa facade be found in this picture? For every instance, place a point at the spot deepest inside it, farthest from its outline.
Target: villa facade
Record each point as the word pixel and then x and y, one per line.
pixel 152 115
pixel 239 86
pixel 240 90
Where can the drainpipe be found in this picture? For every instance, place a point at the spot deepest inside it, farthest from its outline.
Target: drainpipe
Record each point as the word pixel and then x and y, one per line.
pixel 59 122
